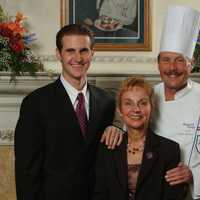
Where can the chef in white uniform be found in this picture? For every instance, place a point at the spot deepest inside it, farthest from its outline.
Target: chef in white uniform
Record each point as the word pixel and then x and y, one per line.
pixel 177 114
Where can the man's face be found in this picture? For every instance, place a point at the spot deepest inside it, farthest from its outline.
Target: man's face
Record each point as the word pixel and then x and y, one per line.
pixel 174 70
pixel 75 56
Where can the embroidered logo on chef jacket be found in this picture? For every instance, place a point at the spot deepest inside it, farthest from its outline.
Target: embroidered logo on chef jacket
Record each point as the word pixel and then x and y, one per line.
pixel 189 125
pixel 188 129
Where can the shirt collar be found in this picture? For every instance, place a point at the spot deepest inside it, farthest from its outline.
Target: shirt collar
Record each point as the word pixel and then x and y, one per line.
pixel 184 91
pixel 73 92
pixel 181 92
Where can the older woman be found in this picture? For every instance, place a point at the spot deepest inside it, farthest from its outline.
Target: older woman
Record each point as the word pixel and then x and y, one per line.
pixel 136 170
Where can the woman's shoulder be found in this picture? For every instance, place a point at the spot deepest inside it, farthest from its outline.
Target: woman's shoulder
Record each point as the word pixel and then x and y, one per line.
pixel 166 142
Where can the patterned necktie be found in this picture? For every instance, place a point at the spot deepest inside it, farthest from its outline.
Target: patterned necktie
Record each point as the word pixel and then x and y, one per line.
pixel 81 113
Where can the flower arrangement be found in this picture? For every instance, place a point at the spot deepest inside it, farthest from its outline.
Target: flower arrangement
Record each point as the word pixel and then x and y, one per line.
pixel 196 67
pixel 15 53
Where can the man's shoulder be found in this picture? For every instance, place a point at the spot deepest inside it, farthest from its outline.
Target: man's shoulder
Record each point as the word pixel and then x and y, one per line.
pixel 100 93
pixel 196 85
pixel 194 89
pixel 42 92
pixel 158 86
pixel 158 90
pixel 166 142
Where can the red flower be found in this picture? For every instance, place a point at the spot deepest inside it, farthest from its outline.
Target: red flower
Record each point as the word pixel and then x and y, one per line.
pixel 17 37
pixel 16 46
pixel 6 32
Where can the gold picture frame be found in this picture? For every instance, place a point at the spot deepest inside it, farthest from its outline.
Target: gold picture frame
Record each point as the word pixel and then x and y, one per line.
pixel 138 38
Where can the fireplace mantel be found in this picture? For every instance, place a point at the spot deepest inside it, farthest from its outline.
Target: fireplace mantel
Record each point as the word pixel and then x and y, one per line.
pixel 12 93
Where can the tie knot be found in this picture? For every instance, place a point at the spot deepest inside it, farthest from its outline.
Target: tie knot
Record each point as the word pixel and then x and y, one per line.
pixel 80 97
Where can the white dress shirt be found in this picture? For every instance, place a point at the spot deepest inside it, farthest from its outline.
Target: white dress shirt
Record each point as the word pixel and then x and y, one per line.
pixel 73 93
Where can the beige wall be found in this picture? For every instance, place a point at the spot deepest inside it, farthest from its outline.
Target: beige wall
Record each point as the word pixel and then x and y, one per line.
pixel 7 183
pixel 44 20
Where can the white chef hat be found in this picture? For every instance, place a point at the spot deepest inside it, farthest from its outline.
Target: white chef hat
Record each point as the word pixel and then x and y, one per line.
pixel 181 29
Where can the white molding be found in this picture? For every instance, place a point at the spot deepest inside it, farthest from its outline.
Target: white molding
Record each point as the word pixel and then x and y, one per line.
pixel 26 84
pixel 124 59
pixel 47 58
pixel 23 84
pixel 108 59
pixel 11 94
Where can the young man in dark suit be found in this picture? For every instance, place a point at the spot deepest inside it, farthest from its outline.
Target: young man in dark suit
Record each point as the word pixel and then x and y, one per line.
pixel 55 152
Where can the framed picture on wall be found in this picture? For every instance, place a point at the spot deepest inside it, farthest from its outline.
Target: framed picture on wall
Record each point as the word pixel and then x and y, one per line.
pixel 118 25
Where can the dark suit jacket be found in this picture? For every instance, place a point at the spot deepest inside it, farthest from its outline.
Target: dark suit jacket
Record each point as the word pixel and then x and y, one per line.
pixel 160 155
pixel 53 160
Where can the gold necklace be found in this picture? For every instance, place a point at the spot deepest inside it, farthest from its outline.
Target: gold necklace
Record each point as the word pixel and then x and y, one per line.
pixel 132 149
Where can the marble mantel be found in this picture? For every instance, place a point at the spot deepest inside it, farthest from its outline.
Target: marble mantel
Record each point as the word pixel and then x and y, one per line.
pixel 26 84
pixel 12 93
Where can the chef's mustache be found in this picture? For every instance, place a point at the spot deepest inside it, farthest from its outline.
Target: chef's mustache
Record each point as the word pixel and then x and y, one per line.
pixel 174 72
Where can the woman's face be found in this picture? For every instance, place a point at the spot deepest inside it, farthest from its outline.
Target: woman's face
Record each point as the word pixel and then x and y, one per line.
pixel 135 108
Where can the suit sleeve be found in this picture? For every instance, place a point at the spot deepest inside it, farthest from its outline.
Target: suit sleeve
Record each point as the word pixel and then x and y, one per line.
pixel 108 115
pixel 176 192
pixel 28 152
pixel 110 112
pixel 100 189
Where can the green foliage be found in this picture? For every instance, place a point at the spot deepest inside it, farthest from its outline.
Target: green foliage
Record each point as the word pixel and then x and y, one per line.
pixel 17 63
pixel 196 67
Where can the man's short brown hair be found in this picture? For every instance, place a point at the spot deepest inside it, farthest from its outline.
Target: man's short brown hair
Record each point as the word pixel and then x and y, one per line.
pixel 73 29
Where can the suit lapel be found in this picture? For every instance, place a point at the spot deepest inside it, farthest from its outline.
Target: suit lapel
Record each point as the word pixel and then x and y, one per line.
pixel 65 110
pixel 120 160
pixel 94 103
pixel 150 157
